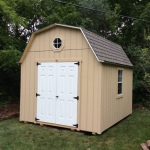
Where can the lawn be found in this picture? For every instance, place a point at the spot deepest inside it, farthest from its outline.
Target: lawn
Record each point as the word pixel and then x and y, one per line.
pixel 126 135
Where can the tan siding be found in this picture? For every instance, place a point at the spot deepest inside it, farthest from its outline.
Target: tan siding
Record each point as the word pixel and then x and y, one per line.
pixel 114 109
pixel 73 43
pixel 47 45
pixel 67 43
pixel 62 33
pixel 84 90
pixel 36 45
pixel 32 97
pixel 99 102
pixel 27 87
pixel 22 95
pixel 90 91
pixel 36 57
pixel 52 36
pixel 80 39
pixel 42 46
pixel 46 41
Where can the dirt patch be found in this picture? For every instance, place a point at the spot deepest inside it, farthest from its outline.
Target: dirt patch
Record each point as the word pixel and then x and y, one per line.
pixel 8 111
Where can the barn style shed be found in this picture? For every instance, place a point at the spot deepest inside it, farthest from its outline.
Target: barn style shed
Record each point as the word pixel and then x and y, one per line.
pixel 73 78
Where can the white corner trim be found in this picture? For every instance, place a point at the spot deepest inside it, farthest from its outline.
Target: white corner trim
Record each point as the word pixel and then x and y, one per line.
pixel 90 45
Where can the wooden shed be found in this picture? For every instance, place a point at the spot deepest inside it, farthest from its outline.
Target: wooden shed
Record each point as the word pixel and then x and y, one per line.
pixel 73 78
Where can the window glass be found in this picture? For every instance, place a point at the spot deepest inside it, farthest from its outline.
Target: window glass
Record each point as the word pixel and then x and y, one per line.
pixel 57 43
pixel 120 81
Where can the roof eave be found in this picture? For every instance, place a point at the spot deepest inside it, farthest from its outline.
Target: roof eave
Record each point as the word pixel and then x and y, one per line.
pixel 107 62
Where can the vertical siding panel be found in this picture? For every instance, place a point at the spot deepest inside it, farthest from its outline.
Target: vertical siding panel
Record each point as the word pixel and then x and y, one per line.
pixel 99 98
pixel 90 90
pixel 114 84
pixel 62 33
pixel 32 48
pixel 79 45
pixel 46 40
pixel 36 44
pixel 107 109
pixel 102 98
pixel 46 45
pixel 84 88
pixel 22 96
pixel 79 56
pixel 32 89
pixel 110 97
pixel 42 48
pixel 27 88
pixel 95 95
pixel 36 58
pixel 105 97
pixel 51 37
pixel 68 43
pixel 73 43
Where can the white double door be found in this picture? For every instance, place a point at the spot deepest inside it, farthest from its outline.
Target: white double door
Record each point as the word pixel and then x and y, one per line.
pixel 57 92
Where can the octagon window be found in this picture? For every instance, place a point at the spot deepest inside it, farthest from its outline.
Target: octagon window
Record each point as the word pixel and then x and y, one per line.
pixel 57 43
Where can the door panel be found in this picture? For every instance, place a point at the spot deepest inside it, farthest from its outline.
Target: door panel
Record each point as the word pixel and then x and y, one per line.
pixel 47 91
pixel 67 74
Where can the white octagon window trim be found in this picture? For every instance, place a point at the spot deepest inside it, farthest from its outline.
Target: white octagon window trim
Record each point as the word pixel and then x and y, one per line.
pixel 57 43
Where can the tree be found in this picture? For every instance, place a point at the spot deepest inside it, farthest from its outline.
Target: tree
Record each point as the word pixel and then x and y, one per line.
pixel 8 19
pixel 133 36
pixel 96 20
pixel 10 73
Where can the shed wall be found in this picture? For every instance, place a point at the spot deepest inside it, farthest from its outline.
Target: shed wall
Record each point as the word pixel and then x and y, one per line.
pixel 89 84
pixel 114 108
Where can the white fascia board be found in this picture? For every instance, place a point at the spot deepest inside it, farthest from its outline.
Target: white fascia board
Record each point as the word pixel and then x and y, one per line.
pixel 54 25
pixel 90 46
pixel 63 25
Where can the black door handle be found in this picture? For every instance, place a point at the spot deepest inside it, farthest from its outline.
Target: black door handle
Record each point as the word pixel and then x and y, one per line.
pixel 56 96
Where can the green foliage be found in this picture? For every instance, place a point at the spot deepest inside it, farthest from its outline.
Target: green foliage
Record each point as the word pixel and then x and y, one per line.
pixel 9 73
pixel 19 19
pixel 9 18
pixel 133 35
pixel 93 20
pixel 55 12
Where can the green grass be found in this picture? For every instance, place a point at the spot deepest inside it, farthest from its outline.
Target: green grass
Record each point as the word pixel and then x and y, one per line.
pixel 126 135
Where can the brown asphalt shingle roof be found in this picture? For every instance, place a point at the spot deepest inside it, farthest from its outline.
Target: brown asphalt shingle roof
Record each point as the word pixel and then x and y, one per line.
pixel 106 50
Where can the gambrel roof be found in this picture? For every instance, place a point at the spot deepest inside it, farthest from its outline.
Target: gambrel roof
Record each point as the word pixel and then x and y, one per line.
pixel 103 49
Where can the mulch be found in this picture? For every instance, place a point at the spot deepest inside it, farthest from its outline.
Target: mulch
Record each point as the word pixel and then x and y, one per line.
pixel 8 111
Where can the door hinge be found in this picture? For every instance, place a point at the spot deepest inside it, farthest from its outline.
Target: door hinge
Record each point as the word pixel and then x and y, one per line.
pixel 38 63
pixel 37 94
pixel 36 119
pixel 76 125
pixel 78 63
pixel 76 97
